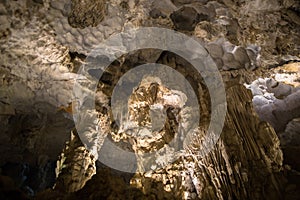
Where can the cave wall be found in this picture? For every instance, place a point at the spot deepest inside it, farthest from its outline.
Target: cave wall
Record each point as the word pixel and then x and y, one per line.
pixel 44 43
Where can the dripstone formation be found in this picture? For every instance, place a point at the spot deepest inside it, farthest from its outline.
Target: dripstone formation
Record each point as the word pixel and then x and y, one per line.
pixel 44 44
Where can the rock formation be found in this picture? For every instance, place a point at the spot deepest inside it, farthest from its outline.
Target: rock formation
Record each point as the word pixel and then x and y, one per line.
pixel 50 142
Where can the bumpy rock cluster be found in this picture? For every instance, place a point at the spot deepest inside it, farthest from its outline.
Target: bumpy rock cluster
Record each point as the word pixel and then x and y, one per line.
pixel 108 19
pixel 276 100
pixel 228 56
pixel 86 13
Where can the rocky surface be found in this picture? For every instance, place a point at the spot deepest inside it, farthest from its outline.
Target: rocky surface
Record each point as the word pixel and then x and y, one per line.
pixel 74 167
pixel 43 45
pixel 276 100
pixel 193 177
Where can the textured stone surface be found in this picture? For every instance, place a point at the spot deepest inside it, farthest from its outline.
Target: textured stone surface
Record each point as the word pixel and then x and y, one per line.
pixel 86 13
pixel 156 109
pixel 276 99
pixel 75 166
pixel 207 178
pixel 90 34
pixel 43 43
pixel 289 139
pixel 186 18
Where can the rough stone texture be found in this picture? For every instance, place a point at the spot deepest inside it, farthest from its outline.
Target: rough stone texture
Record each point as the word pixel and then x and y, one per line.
pixel 185 18
pixel 229 164
pixel 290 143
pixel 44 42
pixel 156 109
pixel 268 24
pixel 34 67
pixel 118 15
pixel 75 166
pixel 276 99
pixel 86 13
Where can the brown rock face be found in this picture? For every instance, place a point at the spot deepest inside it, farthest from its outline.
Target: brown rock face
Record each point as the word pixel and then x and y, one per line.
pixel 246 160
pixel 43 44
pixel 86 13
pixel 152 102
pixel 74 167
pixel 185 18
